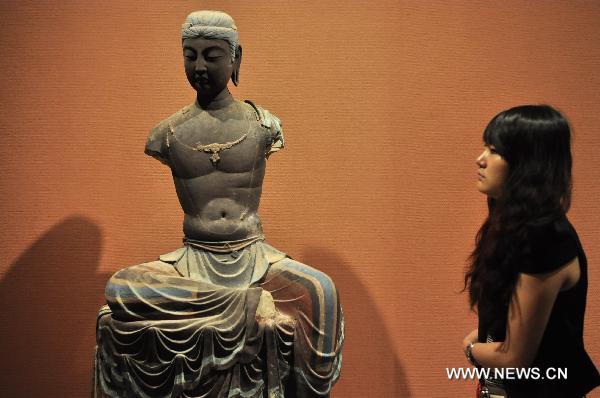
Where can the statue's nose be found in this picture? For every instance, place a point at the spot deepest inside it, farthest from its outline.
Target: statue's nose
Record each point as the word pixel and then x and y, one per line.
pixel 200 65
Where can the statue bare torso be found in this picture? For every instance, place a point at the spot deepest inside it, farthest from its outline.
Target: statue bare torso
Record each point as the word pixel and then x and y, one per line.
pixel 218 186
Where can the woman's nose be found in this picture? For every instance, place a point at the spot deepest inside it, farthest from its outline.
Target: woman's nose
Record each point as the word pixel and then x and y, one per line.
pixel 480 161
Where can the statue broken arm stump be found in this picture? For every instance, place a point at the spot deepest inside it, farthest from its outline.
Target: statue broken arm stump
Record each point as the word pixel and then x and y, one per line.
pixel 226 315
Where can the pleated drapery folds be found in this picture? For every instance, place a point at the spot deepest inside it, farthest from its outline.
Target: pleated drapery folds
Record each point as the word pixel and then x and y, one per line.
pixel 271 326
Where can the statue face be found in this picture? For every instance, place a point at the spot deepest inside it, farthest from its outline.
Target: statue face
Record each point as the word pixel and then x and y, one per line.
pixel 208 65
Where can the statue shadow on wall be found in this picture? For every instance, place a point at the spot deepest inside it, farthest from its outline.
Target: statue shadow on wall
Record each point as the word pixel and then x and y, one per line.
pixel 370 367
pixel 51 294
pixel 50 297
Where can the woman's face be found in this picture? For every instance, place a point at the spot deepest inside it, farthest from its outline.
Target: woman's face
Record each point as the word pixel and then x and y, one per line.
pixel 492 172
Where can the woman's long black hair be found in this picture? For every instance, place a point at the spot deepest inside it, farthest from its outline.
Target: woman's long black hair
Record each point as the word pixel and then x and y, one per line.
pixel 535 142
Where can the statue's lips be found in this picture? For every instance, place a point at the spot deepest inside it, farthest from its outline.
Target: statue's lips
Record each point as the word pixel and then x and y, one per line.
pixel 201 82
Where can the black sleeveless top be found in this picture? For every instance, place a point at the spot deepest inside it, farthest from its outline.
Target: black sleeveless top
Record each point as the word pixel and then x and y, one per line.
pixel 551 246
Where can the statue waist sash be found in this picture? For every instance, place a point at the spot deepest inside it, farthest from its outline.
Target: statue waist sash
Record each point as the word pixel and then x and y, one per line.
pixel 231 264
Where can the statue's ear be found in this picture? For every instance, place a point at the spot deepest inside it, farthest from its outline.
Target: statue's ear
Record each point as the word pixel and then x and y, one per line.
pixel 235 76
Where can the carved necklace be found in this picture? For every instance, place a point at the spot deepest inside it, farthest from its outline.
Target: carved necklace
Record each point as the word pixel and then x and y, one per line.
pixel 213 148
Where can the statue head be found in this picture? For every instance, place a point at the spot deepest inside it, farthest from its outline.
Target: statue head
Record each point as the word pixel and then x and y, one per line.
pixel 211 51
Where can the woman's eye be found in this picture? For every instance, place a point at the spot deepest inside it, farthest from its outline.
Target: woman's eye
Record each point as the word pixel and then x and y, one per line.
pixel 490 149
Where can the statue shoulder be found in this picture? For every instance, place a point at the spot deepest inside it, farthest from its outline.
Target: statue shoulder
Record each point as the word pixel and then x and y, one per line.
pixel 273 124
pixel 175 119
pixel 158 140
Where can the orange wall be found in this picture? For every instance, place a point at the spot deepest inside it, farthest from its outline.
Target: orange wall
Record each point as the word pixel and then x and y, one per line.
pixel 383 104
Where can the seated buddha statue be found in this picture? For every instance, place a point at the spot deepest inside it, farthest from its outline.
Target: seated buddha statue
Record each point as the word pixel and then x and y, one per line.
pixel 225 315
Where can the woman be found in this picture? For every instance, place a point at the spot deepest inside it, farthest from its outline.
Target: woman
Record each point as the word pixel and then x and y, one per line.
pixel 528 273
